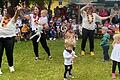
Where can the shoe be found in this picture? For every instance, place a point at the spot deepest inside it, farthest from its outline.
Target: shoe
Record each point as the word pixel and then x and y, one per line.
pixel 113 76
pixel 11 69
pixel 50 57
pixel 1 72
pixel 54 39
pixel 92 53
pixel 50 38
pixel 83 53
pixel 36 58
pixel 77 39
pixel 65 79
pixel 71 76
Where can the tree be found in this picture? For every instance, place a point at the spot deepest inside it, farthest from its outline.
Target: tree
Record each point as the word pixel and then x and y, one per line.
pixel 14 3
pixel 40 3
pixel 1 4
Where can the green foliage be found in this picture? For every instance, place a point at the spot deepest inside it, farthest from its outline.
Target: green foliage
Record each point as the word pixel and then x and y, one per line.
pixel 39 2
pixel 84 68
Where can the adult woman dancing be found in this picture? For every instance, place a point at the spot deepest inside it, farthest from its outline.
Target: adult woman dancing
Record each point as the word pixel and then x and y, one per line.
pixel 88 25
pixel 7 36
pixel 35 19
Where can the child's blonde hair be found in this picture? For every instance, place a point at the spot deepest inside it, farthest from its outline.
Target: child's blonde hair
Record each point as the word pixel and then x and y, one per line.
pixel 116 38
pixel 44 11
pixel 69 40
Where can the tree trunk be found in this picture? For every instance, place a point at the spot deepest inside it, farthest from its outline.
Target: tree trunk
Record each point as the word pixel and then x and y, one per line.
pixel 14 3
pixel 1 3
pixel 49 11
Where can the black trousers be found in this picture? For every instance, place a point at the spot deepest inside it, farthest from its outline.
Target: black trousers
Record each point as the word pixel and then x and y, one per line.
pixel 87 34
pixel 105 52
pixel 114 66
pixel 68 68
pixel 43 43
pixel 8 44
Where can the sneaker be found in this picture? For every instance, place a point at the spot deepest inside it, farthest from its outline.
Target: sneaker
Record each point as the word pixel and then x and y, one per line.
pixel 11 69
pixel 36 58
pixel 83 53
pixel 71 76
pixel 54 39
pixel 1 72
pixel 113 76
pixel 77 39
pixel 65 79
pixel 50 57
pixel 92 53
pixel 50 38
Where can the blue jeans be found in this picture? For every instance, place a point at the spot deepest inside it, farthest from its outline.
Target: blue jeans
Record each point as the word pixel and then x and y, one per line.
pixel 52 34
pixel 105 52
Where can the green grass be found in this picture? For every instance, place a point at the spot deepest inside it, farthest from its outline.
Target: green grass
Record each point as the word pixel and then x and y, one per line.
pixel 84 68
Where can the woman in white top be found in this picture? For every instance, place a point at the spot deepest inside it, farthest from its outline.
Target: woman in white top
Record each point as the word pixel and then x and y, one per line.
pixel 39 17
pixel 7 36
pixel 115 56
pixel 88 27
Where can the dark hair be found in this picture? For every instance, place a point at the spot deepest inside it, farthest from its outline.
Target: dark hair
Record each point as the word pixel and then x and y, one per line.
pixel 91 8
pixel 39 8
pixel 10 11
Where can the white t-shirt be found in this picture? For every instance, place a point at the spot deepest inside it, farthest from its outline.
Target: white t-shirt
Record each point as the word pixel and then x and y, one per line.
pixel 68 57
pixel 19 22
pixel 74 26
pixel 8 31
pixel 32 23
pixel 41 20
pixel 116 53
pixel 86 24
pixel 17 30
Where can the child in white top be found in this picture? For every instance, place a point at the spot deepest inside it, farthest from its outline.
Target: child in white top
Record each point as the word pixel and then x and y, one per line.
pixel 115 56
pixel 18 33
pixel 69 56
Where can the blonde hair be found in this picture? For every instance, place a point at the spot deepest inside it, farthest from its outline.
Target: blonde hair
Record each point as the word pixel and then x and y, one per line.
pixel 70 41
pixel 116 38
pixel 44 11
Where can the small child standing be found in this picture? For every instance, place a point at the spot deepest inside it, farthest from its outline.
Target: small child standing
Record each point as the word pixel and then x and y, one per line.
pixel 105 43
pixel 18 33
pixel 69 56
pixel 115 56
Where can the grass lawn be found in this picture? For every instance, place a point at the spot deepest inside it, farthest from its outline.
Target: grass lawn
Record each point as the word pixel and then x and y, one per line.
pixel 84 68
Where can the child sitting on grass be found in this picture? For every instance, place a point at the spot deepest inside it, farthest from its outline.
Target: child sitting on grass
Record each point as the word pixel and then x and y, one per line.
pixel 115 56
pixel 69 56
pixel 105 43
